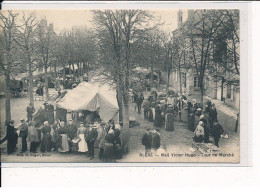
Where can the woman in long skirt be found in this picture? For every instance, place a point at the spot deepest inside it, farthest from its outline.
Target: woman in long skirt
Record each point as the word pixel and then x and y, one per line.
pixel 158 116
pixel 63 140
pixel 46 138
pixel 169 125
pixel 82 145
pixel 150 115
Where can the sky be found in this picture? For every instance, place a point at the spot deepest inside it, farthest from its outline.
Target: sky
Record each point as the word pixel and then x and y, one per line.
pixel 68 18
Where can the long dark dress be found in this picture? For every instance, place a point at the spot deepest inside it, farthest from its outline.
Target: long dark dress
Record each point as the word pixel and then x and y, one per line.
pixel 158 116
pixel 109 147
pixel 11 137
pixel 150 115
pixel 169 125
pixel 50 113
pixel 46 139
pixel 62 142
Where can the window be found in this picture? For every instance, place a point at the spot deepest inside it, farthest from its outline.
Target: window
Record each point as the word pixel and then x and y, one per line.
pixel 196 82
pixel 184 79
pixel 229 90
pixel 175 76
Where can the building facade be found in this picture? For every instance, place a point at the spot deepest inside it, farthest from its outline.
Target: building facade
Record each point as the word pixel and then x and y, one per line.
pixel 219 83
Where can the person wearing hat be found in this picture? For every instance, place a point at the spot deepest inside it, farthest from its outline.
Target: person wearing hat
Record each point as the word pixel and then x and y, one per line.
pixel 23 134
pixel 109 145
pixel 217 131
pixel 156 140
pixel 83 147
pixel 170 100
pixel 101 140
pixel 62 140
pixel 46 137
pixel 203 118
pixel 213 115
pixel 169 118
pixel 90 137
pixel 147 141
pixel 30 110
pixel 146 105
pixel 199 133
pixel 158 115
pixel 117 145
pixel 33 137
pixel 11 137
pixel 140 100
pixel 72 132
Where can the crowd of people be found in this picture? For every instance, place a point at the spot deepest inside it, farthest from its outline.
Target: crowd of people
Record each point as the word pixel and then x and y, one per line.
pixel 62 136
pixel 163 109
pixel 45 134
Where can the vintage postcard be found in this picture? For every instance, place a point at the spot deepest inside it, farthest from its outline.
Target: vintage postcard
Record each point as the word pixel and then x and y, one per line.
pixel 120 86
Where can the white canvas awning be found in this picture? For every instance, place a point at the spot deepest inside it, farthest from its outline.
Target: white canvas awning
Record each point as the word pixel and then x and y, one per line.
pixel 92 97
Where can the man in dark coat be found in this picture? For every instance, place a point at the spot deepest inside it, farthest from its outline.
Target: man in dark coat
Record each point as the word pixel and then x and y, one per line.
pixel 30 110
pixel 156 140
pixel 206 129
pixel 147 141
pixel 11 137
pixel 216 132
pixel 90 137
pixel 72 132
pixel 46 138
pixel 140 100
pixel 213 115
pixel 23 134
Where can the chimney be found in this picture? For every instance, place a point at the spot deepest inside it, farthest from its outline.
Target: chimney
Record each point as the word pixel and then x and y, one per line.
pixel 180 18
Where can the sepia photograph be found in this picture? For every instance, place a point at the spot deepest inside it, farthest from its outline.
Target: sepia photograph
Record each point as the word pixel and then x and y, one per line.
pixel 120 86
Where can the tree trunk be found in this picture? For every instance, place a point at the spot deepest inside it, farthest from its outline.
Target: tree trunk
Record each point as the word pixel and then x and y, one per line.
pixel 73 68
pixel 7 98
pixel 120 104
pixel 46 82
pixel 30 78
pixel 125 131
pixel 180 80
pixel 222 89
pixel 31 85
pixel 168 79
pixel 201 96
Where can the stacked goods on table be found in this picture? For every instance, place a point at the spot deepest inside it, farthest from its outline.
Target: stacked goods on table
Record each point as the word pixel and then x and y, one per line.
pixel 205 147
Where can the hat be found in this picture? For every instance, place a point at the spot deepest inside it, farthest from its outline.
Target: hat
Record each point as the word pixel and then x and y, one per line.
pixel 117 126
pixel 201 116
pixel 11 122
pixel 111 131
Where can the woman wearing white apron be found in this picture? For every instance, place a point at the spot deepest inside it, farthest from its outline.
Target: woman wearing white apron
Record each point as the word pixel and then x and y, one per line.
pixel 81 135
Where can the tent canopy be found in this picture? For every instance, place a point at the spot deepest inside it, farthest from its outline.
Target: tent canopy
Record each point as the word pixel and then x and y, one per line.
pixel 91 97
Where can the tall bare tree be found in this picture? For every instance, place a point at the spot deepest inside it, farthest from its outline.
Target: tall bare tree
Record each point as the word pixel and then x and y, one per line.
pixel 8 24
pixel 121 28
pixel 25 39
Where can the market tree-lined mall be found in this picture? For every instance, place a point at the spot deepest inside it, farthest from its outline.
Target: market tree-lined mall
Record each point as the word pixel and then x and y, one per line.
pixel 120 86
